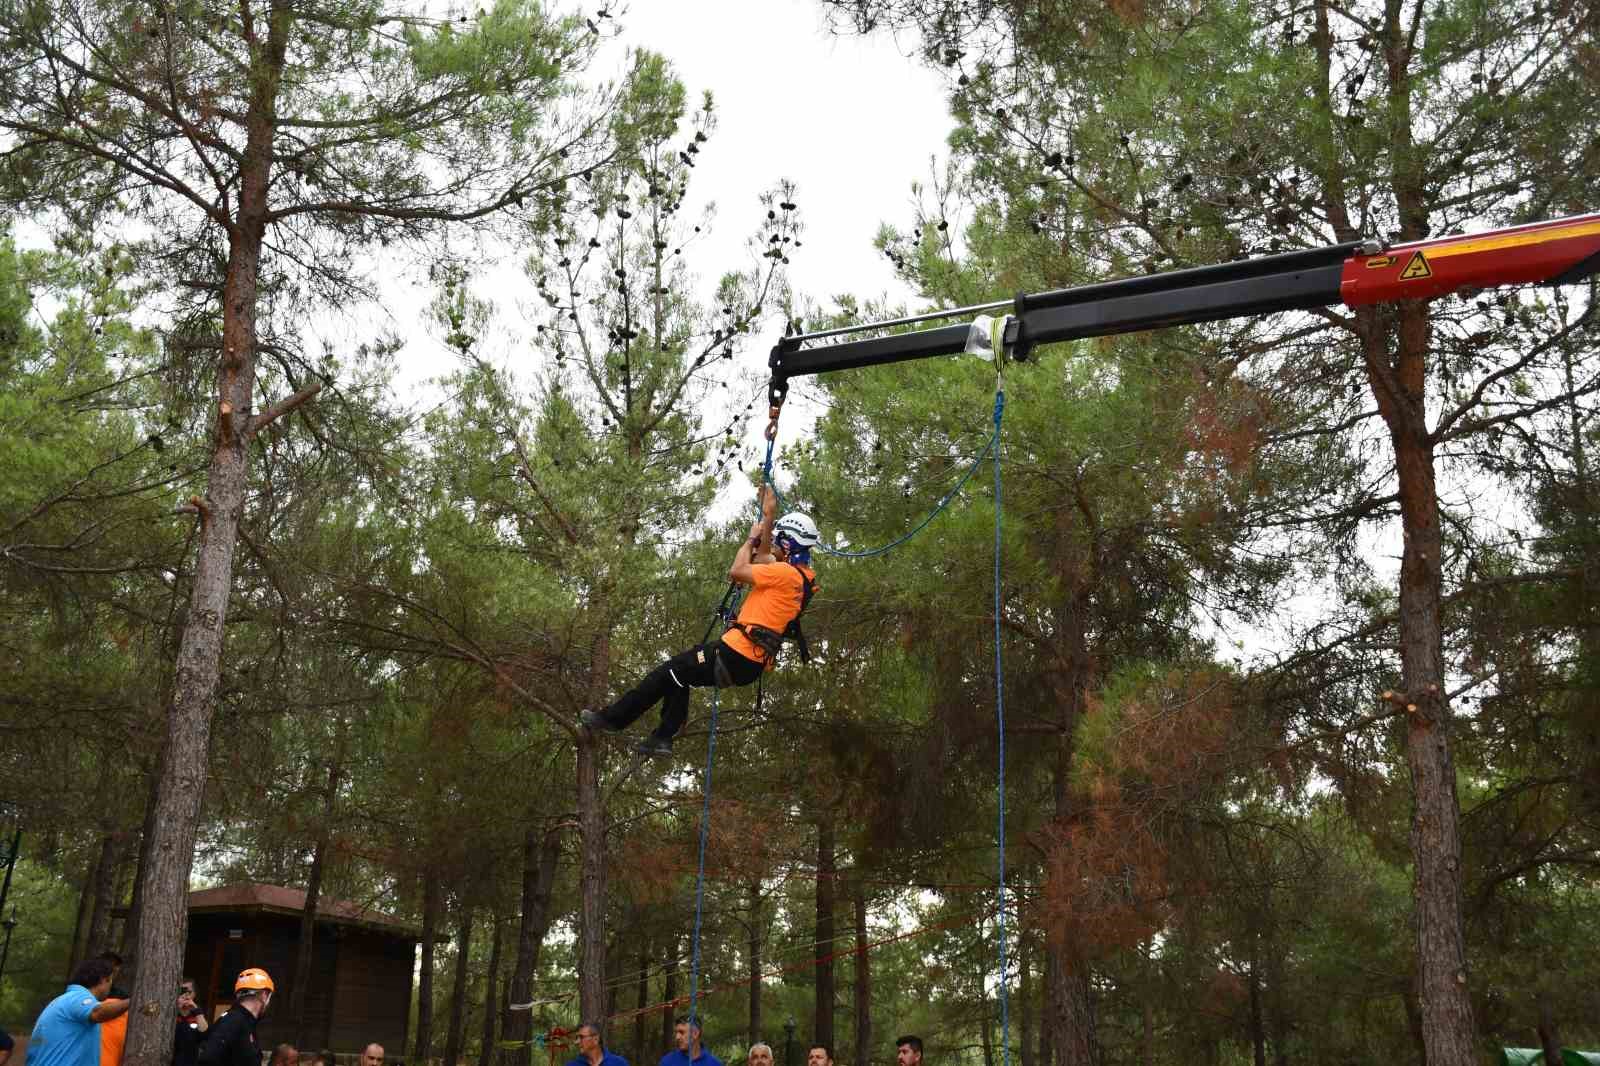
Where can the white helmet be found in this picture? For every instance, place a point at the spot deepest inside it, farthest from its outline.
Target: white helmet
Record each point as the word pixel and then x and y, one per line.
pixel 798 527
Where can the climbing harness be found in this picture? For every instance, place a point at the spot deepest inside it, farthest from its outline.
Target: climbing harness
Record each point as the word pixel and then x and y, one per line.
pixel 771 640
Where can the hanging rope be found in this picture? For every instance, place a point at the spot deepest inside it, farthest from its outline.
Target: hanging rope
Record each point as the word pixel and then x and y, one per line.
pixel 944 501
pixel 700 874
pixel 1000 725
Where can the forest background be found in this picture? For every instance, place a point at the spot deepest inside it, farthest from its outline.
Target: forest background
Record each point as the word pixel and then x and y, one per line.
pixel 1299 614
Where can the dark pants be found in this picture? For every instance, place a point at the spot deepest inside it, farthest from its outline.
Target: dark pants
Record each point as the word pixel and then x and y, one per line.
pixel 670 683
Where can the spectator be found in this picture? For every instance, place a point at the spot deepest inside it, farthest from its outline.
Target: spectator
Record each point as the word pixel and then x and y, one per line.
pixel 592 1049
pixel 760 1055
pixel 232 1041
pixel 819 1055
pixel 191 1026
pixel 322 1058
pixel 688 1051
pixel 285 1055
pixel 65 1034
pixel 114 1033
pixel 908 1051
pixel 372 1055
pixel 6 1046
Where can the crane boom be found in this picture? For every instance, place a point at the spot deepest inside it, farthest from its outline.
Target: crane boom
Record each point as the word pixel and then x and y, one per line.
pixel 1356 274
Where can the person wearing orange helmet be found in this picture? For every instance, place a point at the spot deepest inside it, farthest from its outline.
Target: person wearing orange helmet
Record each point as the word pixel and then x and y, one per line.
pixel 232 1041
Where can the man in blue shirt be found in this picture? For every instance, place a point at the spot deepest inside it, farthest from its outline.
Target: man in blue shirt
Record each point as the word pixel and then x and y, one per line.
pixel 688 1052
pixel 592 1050
pixel 67 1032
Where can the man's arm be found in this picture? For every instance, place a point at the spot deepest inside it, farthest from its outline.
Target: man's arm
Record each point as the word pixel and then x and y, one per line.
pixel 759 540
pixel 108 1009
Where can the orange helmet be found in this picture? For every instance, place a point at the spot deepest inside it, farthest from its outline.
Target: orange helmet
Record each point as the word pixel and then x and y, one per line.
pixel 253 980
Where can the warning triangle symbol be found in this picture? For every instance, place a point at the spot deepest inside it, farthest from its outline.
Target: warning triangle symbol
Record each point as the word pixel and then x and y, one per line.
pixel 1417 268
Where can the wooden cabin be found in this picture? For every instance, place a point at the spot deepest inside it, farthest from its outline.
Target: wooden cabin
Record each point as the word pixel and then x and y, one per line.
pixel 362 963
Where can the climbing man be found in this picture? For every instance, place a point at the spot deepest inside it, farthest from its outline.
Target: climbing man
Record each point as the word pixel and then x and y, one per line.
pixel 779 593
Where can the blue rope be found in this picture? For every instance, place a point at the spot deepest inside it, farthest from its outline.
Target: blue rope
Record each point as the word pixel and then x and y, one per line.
pixel 700 875
pixel 944 501
pixel 1000 722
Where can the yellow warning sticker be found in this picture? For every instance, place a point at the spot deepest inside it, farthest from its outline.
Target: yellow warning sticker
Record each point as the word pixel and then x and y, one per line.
pixel 1417 268
pixel 1380 261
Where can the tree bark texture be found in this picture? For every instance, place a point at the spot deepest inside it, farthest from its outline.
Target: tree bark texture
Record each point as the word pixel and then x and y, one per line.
pixel 1072 1011
pixel 1258 1031
pixel 105 889
pixel 591 878
pixel 431 905
pixel 164 890
pixel 1069 1014
pixel 80 924
pixel 822 1026
pixel 455 1035
pixel 491 998
pixel 147 832
pixel 541 854
pixel 753 894
pixel 1046 1054
pixel 301 987
pixel 1024 1001
pixel 1448 1030
pixel 670 991
pixel 863 982
pixel 986 1029
pixel 641 1001
pixel 1549 1039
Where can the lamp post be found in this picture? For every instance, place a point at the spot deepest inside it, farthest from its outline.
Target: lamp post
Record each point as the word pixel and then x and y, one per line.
pixel 788 1042
pixel 5 951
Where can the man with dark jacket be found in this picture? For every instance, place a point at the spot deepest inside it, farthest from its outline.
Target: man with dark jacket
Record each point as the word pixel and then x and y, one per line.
pixel 232 1041
pixel 191 1023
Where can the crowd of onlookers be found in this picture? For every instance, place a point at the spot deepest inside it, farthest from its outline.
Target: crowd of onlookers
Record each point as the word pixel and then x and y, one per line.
pixel 689 1052
pixel 88 1023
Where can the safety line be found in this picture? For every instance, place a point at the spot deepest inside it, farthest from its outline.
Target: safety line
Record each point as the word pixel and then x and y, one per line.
pixel 1000 722
pixel 700 876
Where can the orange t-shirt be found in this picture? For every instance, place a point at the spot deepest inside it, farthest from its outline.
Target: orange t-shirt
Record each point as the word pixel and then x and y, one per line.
pixel 113 1035
pixel 774 601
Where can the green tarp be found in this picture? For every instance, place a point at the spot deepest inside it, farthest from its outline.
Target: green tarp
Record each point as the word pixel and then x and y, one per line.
pixel 1532 1056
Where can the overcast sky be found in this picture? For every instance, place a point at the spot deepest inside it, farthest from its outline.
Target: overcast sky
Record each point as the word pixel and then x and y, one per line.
pixel 851 121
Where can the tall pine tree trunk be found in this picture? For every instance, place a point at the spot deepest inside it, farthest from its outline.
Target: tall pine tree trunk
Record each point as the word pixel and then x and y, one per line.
pixel 863 981
pixel 147 832
pixel 105 887
pixel 80 924
pixel 670 991
pixel 1258 1029
pixel 1448 1031
pixel 641 1000
pixel 1069 1012
pixel 300 990
pixel 455 1036
pixel 1024 1001
pixel 822 1026
pixel 753 894
pixel 164 886
pixel 431 902
pixel 491 999
pixel 541 853
pixel 1549 1040
pixel 591 879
